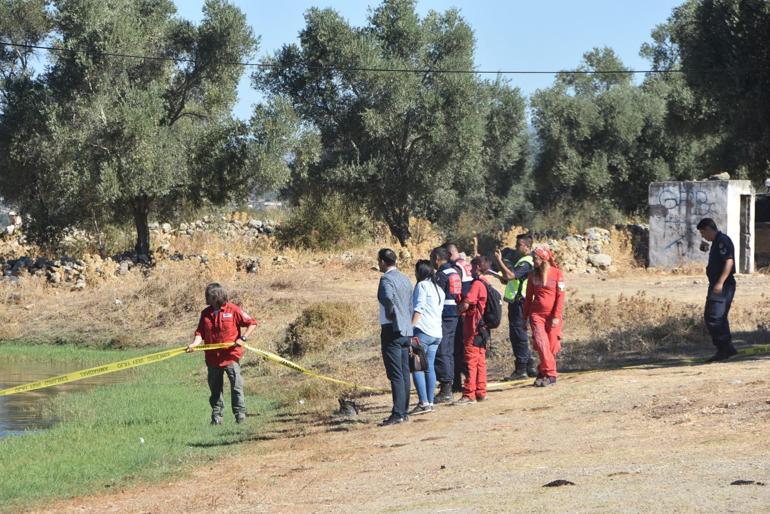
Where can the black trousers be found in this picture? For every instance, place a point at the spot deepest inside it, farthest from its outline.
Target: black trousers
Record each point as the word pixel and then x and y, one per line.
pixel 459 347
pixel 517 331
pixel 445 356
pixel 396 359
pixel 716 312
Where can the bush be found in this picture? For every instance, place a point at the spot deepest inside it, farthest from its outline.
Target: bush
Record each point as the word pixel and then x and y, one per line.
pixel 569 218
pixel 325 223
pixel 322 327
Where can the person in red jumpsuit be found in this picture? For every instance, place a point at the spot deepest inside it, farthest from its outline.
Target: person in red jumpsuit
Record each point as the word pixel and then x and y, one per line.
pixel 472 310
pixel 543 307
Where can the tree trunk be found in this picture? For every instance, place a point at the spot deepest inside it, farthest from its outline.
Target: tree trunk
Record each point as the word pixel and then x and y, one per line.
pixel 141 210
pixel 398 223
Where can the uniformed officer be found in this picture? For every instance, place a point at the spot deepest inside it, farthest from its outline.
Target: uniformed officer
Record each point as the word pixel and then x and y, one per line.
pixel 514 276
pixel 720 271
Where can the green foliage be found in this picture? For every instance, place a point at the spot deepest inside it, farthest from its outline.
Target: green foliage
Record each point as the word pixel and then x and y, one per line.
pixel 96 443
pixel 723 47
pixel 600 136
pixel 412 144
pixel 97 136
pixel 326 222
pixel 564 218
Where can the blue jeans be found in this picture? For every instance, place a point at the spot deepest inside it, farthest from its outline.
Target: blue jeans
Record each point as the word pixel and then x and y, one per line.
pixel 425 382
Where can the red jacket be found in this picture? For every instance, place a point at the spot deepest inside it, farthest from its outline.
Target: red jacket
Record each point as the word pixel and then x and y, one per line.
pixel 545 300
pixel 477 302
pixel 223 326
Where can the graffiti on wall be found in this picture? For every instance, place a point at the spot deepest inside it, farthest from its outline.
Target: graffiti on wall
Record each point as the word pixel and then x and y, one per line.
pixel 679 209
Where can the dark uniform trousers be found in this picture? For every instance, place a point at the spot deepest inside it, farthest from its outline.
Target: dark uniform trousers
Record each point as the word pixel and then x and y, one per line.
pixel 716 312
pixel 445 358
pixel 517 331
pixel 395 356
pixel 459 348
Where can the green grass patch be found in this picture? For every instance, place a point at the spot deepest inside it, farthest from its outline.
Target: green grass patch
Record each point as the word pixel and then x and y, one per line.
pixel 97 443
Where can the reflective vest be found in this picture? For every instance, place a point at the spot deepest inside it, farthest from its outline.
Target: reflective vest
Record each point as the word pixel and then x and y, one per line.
pixel 517 287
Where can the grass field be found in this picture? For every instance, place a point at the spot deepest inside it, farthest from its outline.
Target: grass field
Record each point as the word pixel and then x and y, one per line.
pixel 152 426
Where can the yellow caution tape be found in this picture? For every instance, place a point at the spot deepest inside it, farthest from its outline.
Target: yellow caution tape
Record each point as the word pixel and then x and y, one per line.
pixel 167 354
pixel 292 365
pixel 106 368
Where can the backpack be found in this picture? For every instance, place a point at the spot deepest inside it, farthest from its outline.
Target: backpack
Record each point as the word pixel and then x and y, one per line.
pixel 493 311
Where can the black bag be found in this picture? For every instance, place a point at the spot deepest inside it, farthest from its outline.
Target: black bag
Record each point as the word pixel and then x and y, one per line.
pixel 482 337
pixel 418 359
pixel 493 312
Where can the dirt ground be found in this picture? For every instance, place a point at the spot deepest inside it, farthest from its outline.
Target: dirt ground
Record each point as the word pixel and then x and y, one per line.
pixel 650 439
pixel 639 440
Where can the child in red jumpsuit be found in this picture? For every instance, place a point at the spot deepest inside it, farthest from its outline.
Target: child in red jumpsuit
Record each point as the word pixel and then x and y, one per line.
pixel 472 310
pixel 543 306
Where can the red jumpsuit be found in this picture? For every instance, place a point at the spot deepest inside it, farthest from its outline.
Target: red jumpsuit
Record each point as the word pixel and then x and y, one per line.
pixel 475 385
pixel 542 304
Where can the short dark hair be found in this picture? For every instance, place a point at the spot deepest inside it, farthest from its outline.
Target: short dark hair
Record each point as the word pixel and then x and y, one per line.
pixel 387 256
pixel 527 238
pixel 707 223
pixel 449 245
pixel 440 254
pixel 216 295
pixel 481 258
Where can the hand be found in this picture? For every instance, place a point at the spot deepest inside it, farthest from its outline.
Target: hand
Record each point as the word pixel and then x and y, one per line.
pixel 718 288
pixel 239 342
pixel 189 348
pixel 498 255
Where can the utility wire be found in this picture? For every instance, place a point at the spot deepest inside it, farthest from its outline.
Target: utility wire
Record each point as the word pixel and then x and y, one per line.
pixel 267 65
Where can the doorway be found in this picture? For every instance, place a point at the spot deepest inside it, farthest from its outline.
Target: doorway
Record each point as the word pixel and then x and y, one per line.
pixel 745 250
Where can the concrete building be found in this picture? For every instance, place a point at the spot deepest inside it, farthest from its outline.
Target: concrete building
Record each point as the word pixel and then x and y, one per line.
pixel 676 208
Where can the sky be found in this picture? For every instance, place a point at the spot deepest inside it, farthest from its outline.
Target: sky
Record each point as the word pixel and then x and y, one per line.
pixel 510 35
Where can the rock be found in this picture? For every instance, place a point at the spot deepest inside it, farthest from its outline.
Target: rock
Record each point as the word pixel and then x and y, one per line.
pixel 166 227
pixel 9 230
pixel 256 224
pixel 80 284
pixel 183 227
pixel 280 259
pixel 600 260
pixel 597 234
pixel 125 267
pixel 153 226
pixel 720 176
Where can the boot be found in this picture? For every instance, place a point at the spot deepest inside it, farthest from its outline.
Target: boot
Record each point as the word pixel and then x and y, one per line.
pixel 531 369
pixel 519 373
pixel 444 394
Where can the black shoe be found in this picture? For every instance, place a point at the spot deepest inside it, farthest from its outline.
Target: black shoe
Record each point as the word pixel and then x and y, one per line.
pixel 444 394
pixel 240 418
pixel 531 370
pixel 519 373
pixel 393 420
pixel 722 355
pixel 216 420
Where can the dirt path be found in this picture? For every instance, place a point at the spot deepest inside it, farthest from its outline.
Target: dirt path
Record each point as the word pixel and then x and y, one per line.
pixel 639 440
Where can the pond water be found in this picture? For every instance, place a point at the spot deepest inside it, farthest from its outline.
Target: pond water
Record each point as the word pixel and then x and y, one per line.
pixel 26 411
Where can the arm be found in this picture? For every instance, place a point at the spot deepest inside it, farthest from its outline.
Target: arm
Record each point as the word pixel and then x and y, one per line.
pixel 471 298
pixel 196 342
pixel 418 301
pixel 558 307
pixel 506 274
pixel 729 263
pixel 386 293
pixel 528 298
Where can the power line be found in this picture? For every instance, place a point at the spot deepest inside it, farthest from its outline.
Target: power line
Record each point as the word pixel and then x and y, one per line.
pixel 266 65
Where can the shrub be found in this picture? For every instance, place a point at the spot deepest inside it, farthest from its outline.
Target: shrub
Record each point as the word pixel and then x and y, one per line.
pixel 325 223
pixel 322 327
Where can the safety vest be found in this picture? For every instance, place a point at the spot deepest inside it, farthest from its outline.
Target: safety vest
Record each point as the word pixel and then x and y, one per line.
pixel 517 287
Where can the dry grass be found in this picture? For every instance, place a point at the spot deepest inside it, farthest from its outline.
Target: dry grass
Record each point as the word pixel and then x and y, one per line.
pixel 322 327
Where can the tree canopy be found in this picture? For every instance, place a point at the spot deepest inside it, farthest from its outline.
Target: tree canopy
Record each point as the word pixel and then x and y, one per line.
pixel 101 134
pixel 414 143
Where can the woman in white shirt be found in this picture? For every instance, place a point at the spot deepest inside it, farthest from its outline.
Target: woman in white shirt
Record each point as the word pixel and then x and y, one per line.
pixel 428 304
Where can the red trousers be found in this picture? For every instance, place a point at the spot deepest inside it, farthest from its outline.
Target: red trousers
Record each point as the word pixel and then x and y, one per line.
pixel 475 385
pixel 547 342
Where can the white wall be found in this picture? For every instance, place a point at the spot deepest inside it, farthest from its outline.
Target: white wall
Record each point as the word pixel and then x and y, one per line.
pixel 677 207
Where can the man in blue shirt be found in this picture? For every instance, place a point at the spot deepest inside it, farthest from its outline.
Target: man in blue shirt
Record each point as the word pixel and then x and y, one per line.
pixel 720 271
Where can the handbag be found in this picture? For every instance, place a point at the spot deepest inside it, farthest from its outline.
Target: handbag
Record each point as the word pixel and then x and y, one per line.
pixel 418 359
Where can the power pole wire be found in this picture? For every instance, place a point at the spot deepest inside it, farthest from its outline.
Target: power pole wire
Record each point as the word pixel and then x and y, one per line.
pixel 267 65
